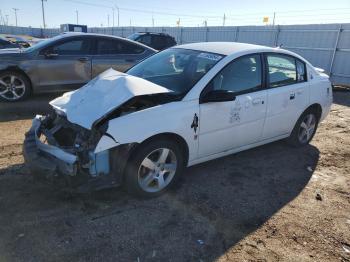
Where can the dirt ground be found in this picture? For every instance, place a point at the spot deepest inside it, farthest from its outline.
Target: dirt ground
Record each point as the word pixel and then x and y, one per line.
pixel 272 203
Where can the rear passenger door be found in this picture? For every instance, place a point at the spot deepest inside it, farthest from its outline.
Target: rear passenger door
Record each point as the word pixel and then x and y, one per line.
pixel 115 53
pixel 288 93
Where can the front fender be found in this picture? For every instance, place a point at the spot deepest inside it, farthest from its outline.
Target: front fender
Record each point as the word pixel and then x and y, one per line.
pixel 175 117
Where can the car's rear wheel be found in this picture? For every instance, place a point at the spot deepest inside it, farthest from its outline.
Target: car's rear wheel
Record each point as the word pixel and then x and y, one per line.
pixel 154 167
pixel 305 129
pixel 14 86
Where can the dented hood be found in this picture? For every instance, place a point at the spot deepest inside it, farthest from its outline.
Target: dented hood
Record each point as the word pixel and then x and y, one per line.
pixel 101 95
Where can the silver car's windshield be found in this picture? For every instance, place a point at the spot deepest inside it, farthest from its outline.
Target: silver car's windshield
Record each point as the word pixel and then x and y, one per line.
pixel 175 68
pixel 42 44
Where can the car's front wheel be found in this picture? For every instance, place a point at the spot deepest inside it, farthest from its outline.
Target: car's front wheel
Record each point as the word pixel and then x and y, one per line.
pixel 154 167
pixel 305 128
pixel 14 86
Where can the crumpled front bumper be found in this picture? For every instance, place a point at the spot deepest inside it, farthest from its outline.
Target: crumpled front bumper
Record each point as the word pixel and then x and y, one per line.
pixel 44 159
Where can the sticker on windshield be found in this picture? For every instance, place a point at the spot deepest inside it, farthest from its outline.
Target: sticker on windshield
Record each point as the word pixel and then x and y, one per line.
pixel 210 56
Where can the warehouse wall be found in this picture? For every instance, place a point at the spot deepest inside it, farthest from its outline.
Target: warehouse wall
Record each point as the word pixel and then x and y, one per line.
pixel 325 45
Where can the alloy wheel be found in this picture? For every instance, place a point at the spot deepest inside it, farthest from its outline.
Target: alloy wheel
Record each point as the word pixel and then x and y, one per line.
pixel 157 170
pixel 307 128
pixel 11 87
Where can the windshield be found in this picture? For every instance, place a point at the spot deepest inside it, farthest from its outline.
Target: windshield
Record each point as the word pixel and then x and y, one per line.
pixel 133 36
pixel 42 43
pixel 175 68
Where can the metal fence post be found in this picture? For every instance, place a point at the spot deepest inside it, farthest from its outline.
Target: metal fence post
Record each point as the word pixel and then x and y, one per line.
pixel 277 35
pixel 206 34
pixel 181 35
pixel 335 49
pixel 237 33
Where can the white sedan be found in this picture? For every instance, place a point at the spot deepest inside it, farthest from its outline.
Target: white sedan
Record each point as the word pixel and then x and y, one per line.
pixel 180 107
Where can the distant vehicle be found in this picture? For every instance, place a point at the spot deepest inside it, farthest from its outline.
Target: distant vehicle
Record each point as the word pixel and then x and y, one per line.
pixel 18 40
pixel 64 62
pixel 158 41
pixel 7 44
pixel 180 107
pixel 73 28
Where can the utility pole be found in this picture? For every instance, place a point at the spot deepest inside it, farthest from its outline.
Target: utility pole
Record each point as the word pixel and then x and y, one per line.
pixel 43 11
pixel 224 20
pixel 15 9
pixel 113 15
pixel 152 21
pixel 2 20
pixel 273 20
pixel 117 13
pixel 76 11
pixel 107 20
pixel 178 22
pixel 7 19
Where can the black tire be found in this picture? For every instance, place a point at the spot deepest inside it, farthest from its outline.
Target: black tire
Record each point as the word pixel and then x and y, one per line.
pixel 20 80
pixel 294 138
pixel 132 183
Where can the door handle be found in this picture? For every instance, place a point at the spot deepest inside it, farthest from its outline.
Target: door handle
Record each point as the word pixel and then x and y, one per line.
pixel 83 59
pixel 257 101
pixel 292 96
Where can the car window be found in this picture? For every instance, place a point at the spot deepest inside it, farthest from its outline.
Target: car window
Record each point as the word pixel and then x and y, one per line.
pixel 282 70
pixel 73 47
pixel 4 43
pixel 145 39
pixel 114 47
pixel 241 75
pixel 158 42
pixel 170 41
pixel 301 71
pixel 175 68
pixel 134 36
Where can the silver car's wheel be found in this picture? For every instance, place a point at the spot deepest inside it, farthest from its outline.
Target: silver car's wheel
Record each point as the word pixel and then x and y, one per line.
pixel 13 86
pixel 307 128
pixel 157 170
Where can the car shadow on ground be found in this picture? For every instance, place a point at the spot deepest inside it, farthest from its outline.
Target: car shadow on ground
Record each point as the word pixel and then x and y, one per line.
pixel 217 204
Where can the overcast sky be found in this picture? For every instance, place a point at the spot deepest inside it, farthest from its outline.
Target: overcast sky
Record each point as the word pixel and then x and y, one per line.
pixel 166 13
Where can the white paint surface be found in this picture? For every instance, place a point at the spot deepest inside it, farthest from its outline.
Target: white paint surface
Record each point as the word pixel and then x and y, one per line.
pixel 101 95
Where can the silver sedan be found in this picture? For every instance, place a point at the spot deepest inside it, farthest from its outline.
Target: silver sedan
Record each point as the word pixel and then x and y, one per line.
pixel 64 62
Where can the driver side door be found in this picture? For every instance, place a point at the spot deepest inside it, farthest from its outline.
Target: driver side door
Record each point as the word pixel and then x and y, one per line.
pixel 233 124
pixel 65 64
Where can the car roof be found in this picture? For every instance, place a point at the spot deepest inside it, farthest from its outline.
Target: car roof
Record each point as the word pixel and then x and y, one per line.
pixel 71 34
pixel 225 48
pixel 153 33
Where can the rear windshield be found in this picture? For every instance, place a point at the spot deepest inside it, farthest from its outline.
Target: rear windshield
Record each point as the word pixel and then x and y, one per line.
pixel 133 36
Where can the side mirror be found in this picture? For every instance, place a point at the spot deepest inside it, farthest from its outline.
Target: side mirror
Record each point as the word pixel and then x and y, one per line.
pixel 218 96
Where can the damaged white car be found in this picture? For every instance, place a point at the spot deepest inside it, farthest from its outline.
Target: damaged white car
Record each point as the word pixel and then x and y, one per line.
pixel 180 107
